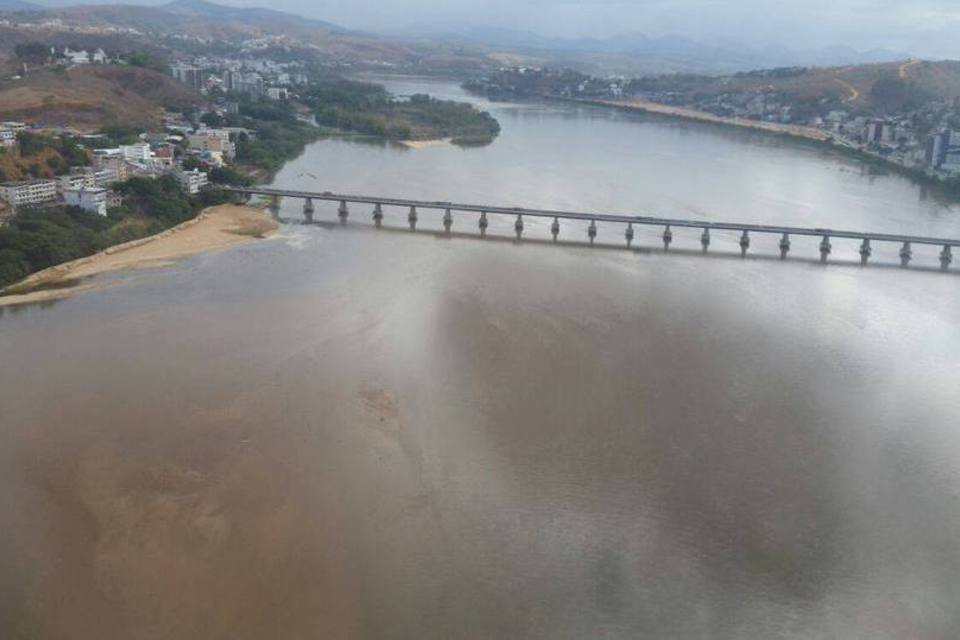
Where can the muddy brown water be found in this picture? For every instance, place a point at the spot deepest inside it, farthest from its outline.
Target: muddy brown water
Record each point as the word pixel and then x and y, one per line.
pixel 346 433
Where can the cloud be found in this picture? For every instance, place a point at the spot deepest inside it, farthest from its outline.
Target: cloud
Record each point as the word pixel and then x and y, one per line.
pixel 924 26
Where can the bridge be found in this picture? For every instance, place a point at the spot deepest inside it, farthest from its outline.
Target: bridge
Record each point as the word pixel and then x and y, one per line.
pixel 629 223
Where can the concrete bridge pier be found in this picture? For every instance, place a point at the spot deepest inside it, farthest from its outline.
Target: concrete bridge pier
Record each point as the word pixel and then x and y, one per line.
pixel 784 246
pixel 274 207
pixel 412 218
pixel 592 231
pixel 705 240
pixel 865 252
pixel 518 226
pixel 447 220
pixel 825 249
pixel 667 238
pixel 946 257
pixel 555 229
pixel 483 224
pixel 628 234
pixel 343 212
pixel 377 215
pixel 906 253
pixel 308 209
pixel 744 243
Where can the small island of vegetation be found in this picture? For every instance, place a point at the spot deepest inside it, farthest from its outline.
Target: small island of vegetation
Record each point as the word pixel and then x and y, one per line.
pixel 367 108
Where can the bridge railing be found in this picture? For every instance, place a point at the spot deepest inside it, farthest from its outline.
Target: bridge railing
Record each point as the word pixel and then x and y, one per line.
pixel 664 226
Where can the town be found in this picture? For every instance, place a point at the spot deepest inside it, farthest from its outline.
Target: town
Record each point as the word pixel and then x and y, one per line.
pixel 184 149
pixel 915 130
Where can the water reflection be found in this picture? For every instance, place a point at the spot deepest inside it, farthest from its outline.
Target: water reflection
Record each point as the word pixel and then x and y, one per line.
pixel 345 432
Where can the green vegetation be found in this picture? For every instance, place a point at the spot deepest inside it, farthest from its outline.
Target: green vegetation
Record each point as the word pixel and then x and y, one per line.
pixel 145 60
pixel 37 238
pixel 368 108
pixel 115 135
pixel 32 52
pixel 41 156
pixel 229 176
pixel 279 136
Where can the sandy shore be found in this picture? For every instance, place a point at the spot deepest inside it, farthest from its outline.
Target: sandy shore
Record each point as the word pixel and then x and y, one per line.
pixel 810 133
pixel 215 228
pixel 423 144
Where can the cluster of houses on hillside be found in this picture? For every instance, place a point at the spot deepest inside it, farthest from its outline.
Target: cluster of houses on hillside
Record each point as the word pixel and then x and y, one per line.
pixel 923 138
pixel 230 75
pixel 155 154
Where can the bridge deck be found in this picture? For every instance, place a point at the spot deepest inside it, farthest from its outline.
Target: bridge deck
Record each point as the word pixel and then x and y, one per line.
pixel 599 217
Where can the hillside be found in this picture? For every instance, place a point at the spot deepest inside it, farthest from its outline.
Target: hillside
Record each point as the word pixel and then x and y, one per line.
pixel 885 87
pixel 198 26
pixel 93 96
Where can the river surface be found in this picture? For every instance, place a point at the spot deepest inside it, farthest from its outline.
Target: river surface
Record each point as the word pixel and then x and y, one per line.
pixel 352 433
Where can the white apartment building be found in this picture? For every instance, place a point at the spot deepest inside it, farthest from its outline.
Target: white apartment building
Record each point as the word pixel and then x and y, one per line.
pixel 29 192
pixel 93 199
pixel 8 137
pixel 139 152
pixel 192 181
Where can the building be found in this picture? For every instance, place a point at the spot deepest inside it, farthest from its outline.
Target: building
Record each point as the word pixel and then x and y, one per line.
pixel 192 181
pixel 29 192
pixel 8 137
pixel 163 156
pixel 83 57
pixel 107 177
pixel 75 181
pixel 193 77
pixel 936 149
pixel 277 93
pixel 239 82
pixel 17 194
pixel 878 132
pixel 139 152
pixel 215 140
pixel 93 199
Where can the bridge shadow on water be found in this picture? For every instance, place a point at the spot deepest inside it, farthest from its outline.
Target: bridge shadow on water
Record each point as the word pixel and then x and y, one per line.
pixel 712 255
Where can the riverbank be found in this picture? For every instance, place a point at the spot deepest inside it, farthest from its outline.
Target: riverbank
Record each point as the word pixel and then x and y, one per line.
pixel 216 227
pixel 949 192
pixel 646 106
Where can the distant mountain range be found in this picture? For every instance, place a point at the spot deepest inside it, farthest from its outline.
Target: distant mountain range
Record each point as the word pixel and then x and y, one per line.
pixel 671 51
pixel 631 54
pixel 18 5
pixel 255 16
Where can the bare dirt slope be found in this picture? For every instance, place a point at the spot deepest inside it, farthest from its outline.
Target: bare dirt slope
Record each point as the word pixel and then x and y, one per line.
pixel 92 96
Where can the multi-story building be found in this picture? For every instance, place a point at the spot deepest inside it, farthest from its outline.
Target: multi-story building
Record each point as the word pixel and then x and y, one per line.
pixel 29 192
pixel 76 181
pixel 936 150
pixel 139 152
pixel 193 77
pixel 93 199
pixel 8 137
pixel 192 181
pixel 240 82
pixel 106 177
pixel 216 140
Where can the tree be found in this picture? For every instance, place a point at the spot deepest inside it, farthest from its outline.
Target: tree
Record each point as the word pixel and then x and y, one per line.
pixel 35 52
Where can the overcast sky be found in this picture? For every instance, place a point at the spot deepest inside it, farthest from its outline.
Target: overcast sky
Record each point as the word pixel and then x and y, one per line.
pixel 925 27
pixel 922 27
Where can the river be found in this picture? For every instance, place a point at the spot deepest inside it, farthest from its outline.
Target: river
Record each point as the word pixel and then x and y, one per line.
pixel 345 432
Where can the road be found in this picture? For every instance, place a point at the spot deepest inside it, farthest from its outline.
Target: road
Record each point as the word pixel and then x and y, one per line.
pixel 902 71
pixel 854 92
